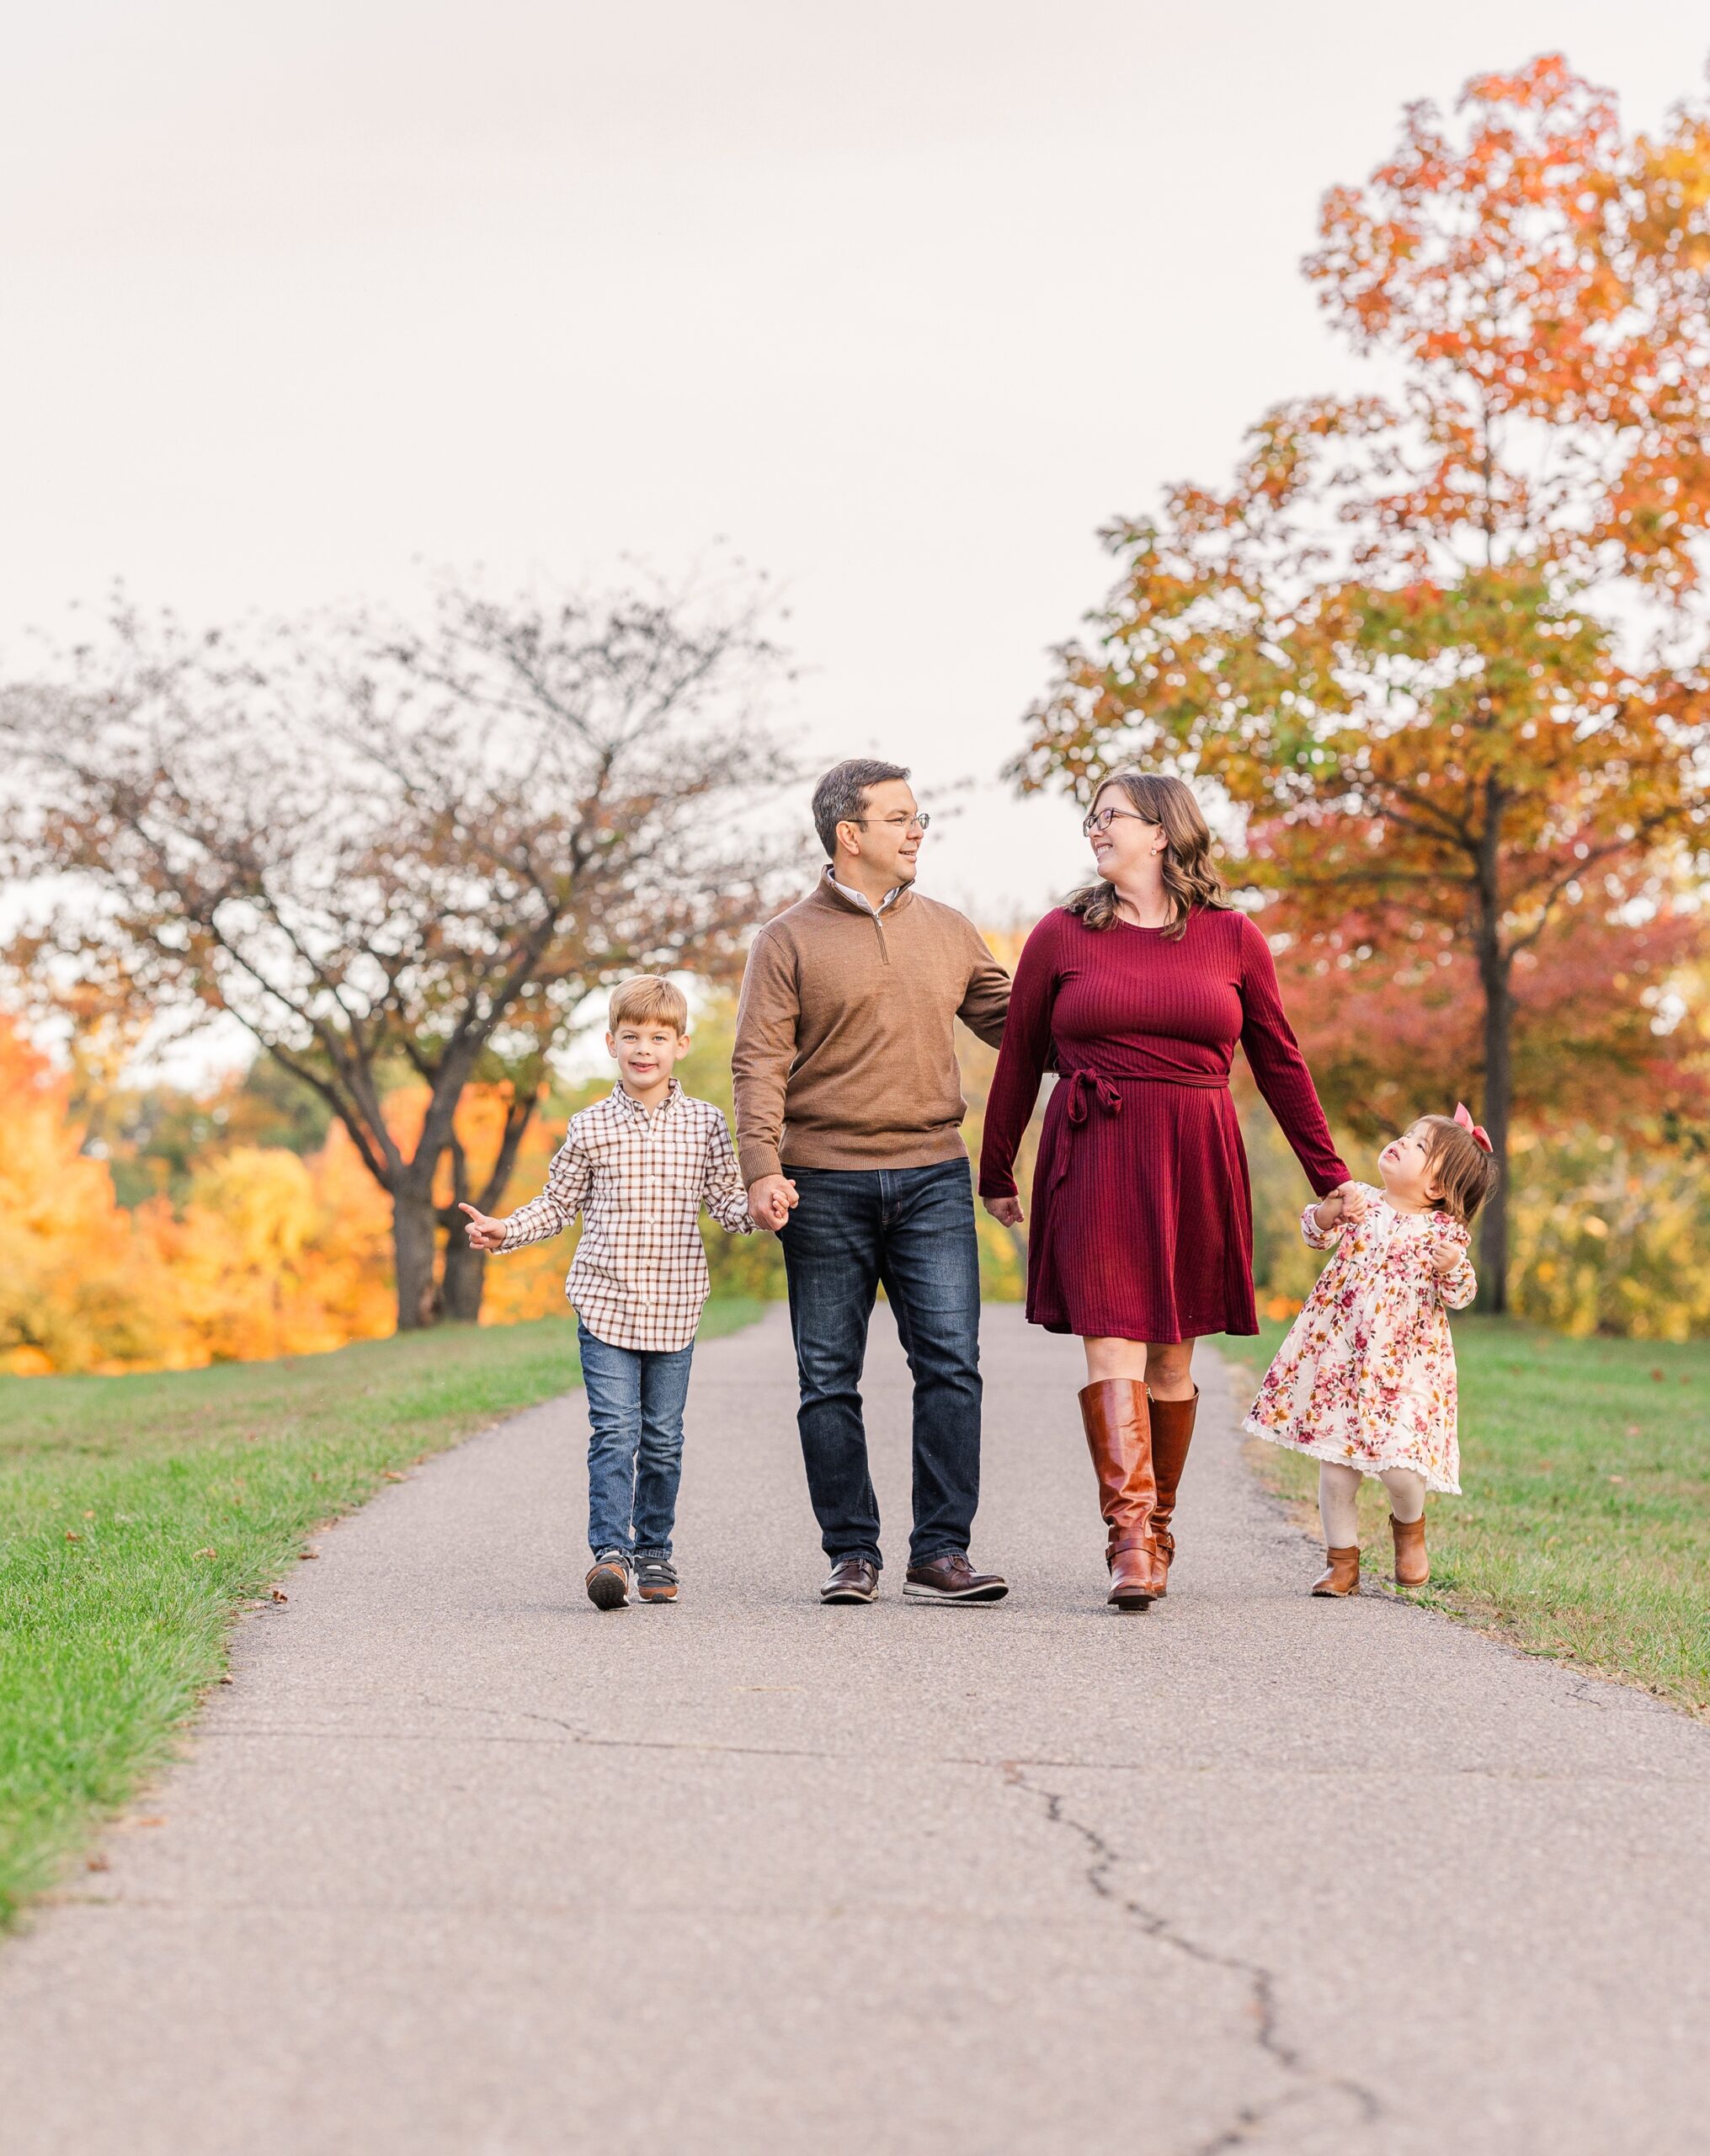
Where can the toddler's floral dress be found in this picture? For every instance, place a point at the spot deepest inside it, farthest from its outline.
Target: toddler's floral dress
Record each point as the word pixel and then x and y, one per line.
pixel 1367 1375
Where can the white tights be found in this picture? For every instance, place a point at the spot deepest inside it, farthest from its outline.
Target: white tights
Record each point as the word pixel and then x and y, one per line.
pixel 1338 1487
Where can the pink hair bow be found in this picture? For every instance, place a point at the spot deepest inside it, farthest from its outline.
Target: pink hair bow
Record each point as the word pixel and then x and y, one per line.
pixel 1477 1130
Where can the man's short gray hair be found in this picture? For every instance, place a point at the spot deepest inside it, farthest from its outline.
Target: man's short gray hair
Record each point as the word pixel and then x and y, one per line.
pixel 841 796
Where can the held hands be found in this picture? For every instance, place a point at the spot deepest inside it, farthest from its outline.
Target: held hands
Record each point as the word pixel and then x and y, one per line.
pixel 483 1231
pixel 771 1200
pixel 1345 1207
pixel 1007 1211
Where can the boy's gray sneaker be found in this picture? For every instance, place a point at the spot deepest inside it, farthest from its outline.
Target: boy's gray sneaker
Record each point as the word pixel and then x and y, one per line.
pixel 609 1581
pixel 657 1579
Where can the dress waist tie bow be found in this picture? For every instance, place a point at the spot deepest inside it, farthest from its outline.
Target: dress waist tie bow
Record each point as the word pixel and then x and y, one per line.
pixel 1084 1088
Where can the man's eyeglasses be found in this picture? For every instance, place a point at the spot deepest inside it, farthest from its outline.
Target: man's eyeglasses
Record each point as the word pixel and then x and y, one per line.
pixel 1101 819
pixel 920 823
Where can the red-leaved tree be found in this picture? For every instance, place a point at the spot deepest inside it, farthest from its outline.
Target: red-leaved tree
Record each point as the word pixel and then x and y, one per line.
pixel 1445 646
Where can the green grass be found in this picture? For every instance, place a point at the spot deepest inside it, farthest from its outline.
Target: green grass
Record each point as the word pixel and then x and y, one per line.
pixel 139 1515
pixel 1584 1533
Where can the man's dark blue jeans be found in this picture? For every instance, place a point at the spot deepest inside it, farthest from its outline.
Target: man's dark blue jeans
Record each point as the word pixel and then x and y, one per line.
pixel 912 1229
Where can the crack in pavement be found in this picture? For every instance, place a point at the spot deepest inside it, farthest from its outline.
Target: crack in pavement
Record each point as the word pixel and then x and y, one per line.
pixel 1263 2002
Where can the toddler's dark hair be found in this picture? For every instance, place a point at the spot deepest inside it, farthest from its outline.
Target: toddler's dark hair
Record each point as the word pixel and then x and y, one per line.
pixel 1458 1164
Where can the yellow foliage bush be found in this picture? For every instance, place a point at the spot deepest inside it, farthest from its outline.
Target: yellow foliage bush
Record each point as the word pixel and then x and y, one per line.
pixel 271 1254
pixel 77 1290
pixel 275 1254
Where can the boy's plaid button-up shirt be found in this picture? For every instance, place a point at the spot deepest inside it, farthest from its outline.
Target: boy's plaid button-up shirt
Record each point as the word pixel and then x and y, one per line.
pixel 639 1179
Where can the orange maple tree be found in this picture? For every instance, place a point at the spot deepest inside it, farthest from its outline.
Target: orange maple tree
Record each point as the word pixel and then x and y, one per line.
pixel 1444 647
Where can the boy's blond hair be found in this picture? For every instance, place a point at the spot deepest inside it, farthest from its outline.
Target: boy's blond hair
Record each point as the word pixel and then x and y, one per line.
pixel 648 997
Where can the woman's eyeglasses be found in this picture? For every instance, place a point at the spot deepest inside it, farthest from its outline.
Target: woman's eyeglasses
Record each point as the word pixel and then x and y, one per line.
pixel 1101 819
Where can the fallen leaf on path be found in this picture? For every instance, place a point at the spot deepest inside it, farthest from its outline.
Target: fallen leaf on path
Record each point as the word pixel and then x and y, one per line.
pixel 279 1595
pixel 210 1552
pixel 393 1475
pixel 73 1536
pixel 98 1864
pixel 154 1819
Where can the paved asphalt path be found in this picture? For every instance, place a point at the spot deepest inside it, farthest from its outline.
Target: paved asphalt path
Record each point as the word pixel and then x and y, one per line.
pixel 459 1864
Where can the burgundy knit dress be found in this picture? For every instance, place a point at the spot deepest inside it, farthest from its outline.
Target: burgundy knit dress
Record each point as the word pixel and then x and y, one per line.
pixel 1142 1222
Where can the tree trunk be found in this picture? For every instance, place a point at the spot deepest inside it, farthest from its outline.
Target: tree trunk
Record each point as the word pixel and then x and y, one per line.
pixel 413 1223
pixel 466 1269
pixel 1495 976
pixel 465 1275
pixel 1495 970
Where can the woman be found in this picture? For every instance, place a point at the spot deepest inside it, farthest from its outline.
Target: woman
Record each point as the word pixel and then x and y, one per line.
pixel 1136 991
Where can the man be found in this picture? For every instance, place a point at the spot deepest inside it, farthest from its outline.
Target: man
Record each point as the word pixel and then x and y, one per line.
pixel 848 1108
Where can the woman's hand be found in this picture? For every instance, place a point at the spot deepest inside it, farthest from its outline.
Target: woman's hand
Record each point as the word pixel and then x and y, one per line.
pixel 1349 1202
pixel 483 1231
pixel 1007 1211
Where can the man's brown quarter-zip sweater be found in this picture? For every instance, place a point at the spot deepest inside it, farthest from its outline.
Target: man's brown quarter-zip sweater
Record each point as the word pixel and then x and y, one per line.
pixel 845 1050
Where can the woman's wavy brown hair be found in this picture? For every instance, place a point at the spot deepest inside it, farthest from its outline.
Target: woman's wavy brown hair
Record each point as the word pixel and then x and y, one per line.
pixel 1191 875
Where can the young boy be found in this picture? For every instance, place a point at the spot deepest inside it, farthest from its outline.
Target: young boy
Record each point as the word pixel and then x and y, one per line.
pixel 638 1167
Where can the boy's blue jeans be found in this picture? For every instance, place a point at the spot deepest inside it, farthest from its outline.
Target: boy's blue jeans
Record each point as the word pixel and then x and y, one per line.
pixel 635 1455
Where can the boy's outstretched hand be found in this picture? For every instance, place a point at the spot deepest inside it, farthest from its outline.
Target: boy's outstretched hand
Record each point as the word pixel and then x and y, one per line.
pixel 484 1233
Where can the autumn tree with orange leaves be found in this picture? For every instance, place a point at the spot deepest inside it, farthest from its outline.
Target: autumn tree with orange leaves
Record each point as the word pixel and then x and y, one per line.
pixel 1445 648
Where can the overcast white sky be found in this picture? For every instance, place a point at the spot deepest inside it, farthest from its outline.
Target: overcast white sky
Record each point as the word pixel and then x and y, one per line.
pixel 900 300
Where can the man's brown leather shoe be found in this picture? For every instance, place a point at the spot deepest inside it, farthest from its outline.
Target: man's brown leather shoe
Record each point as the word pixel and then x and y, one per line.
pixel 951 1578
pixel 1343 1575
pixel 853 1579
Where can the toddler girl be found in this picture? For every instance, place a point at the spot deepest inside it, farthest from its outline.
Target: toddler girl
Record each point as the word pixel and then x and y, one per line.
pixel 1364 1381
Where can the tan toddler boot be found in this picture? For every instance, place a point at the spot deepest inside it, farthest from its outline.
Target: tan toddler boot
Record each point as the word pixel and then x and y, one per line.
pixel 1413 1568
pixel 1343 1577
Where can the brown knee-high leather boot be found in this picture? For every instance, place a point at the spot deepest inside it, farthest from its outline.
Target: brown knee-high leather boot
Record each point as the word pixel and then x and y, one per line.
pixel 1119 1436
pixel 1172 1433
